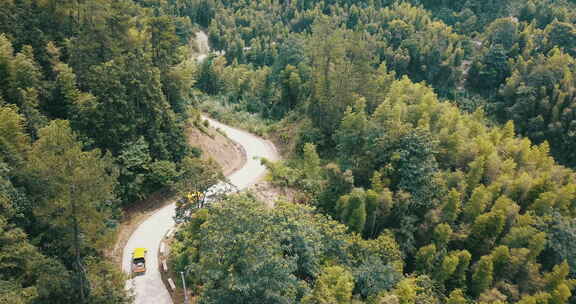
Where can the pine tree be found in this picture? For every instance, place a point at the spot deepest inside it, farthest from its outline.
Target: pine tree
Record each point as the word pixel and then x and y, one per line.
pixel 79 186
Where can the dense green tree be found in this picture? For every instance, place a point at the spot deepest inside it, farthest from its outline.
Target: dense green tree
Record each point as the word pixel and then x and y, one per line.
pixel 334 285
pixel 79 188
pixel 352 210
pixel 491 70
pixel 305 256
pixel 124 113
pixel 199 178
pixel 561 233
pixel 485 231
pixel 331 92
pixel 538 98
pixel 483 275
pixel 338 184
pixel 452 207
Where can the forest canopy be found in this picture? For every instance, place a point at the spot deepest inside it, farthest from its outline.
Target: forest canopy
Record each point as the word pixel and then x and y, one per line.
pixel 446 127
pixel 430 146
pixel 94 102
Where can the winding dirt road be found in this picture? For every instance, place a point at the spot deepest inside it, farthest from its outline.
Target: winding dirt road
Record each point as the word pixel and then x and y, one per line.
pixel 149 288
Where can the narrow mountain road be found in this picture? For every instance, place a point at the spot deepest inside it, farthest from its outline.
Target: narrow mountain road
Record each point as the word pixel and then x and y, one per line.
pixel 203 47
pixel 149 288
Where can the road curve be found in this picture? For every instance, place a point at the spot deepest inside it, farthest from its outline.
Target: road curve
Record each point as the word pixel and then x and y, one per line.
pixel 149 288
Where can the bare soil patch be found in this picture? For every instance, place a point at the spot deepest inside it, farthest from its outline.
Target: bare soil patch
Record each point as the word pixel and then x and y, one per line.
pixel 230 155
pixel 270 194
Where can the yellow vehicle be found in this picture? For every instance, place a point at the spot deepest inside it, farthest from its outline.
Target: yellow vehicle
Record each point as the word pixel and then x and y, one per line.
pixel 194 197
pixel 139 261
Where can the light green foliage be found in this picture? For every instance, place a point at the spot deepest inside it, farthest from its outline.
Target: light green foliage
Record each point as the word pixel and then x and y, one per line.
pixel 502 261
pixel 407 291
pixel 307 177
pixel 352 210
pixel 412 290
pixel 550 118
pixel 426 258
pixel 351 135
pixel 458 279
pixel 291 84
pixel 134 161
pixel 452 206
pixel 485 231
pixel 104 279
pixel 14 141
pixel 457 297
pixel 442 235
pixel 311 164
pixel 454 188
pixel 75 202
pixel 495 177
pixel 338 183
pixel 92 105
pixel 482 276
pixel 178 84
pixel 281 174
pixel 18 264
pixel 378 206
pixel 333 72
pixel 384 247
pixel 526 237
pixel 334 285
pixel 448 267
pixel 557 283
pixel 252 246
pixel 541 297
pixel 331 94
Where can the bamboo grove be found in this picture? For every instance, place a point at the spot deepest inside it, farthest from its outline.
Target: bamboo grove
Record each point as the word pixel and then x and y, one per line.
pixel 430 147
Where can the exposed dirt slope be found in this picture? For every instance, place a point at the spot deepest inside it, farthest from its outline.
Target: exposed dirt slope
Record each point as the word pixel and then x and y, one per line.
pixel 230 155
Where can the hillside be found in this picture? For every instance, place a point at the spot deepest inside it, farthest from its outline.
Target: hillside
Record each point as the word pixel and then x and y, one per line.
pixel 428 147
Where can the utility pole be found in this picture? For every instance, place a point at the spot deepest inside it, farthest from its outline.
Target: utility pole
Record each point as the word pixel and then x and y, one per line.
pixel 184 284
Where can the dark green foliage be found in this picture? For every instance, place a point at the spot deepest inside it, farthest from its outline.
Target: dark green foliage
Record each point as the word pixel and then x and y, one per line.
pixel 278 255
pixel 93 98
pixel 339 183
pixel 124 113
pixel 491 70
pixel 561 236
pixel 351 210
pixel 411 165
pixel 373 276
pixel 480 213
pixel 482 276
pixel 208 80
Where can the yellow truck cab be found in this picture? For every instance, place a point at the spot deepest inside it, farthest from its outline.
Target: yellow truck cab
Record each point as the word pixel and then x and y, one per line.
pixel 139 261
